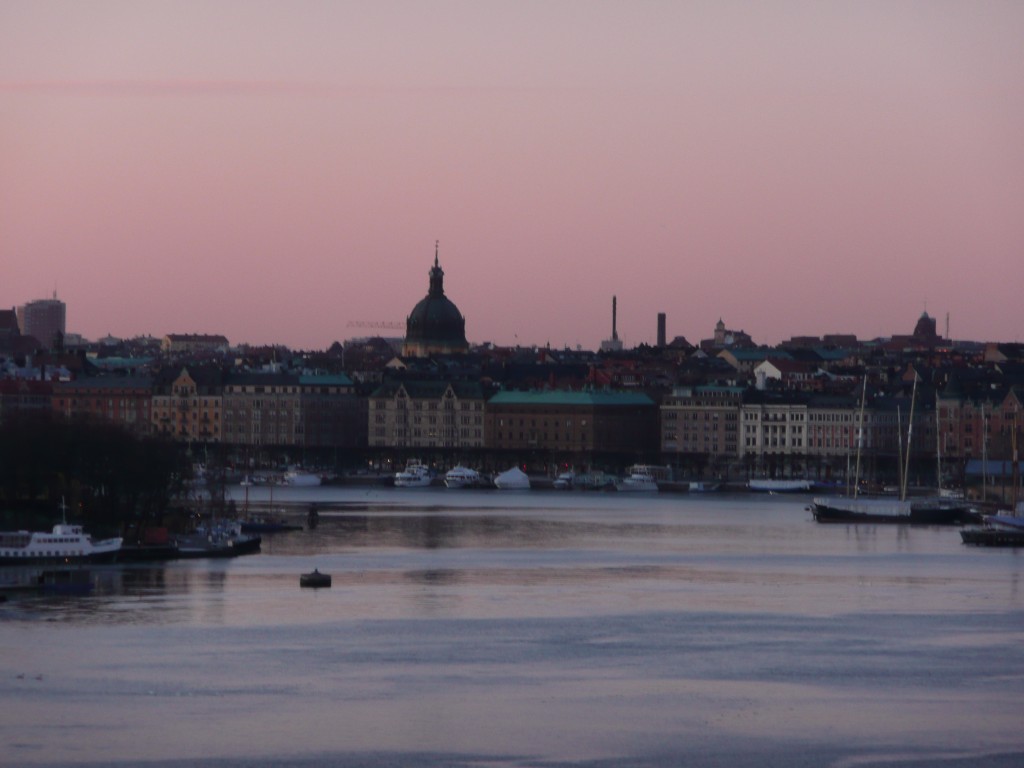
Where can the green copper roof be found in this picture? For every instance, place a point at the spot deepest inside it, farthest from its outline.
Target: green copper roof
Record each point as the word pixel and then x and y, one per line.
pixel 566 397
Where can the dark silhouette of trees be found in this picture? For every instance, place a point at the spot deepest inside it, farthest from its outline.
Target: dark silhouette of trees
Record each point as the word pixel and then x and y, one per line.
pixel 108 476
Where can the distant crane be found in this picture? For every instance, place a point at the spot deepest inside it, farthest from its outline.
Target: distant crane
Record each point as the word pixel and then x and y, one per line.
pixel 386 325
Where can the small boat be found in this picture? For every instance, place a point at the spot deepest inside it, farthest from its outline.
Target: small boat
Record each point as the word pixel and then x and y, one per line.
pixel 315 580
pixel 640 477
pixel 66 543
pixel 300 478
pixel 565 481
pixel 462 477
pixel 512 480
pixel 768 485
pixel 415 475
pixel 217 541
pixel 701 486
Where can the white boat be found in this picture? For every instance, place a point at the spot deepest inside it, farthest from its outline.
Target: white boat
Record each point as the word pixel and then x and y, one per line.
pixel 640 478
pixel 703 486
pixel 461 477
pixel 1007 520
pixel 512 480
pixel 564 481
pixel 779 486
pixel 415 475
pixel 66 543
pixel 299 477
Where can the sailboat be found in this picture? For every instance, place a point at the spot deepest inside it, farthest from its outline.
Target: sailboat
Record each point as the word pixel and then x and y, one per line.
pixel 922 511
pixel 1006 527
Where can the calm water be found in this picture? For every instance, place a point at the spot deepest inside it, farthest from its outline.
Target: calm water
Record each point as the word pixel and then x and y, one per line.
pixel 470 628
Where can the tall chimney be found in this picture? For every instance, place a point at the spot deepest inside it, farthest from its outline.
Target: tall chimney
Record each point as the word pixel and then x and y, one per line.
pixel 615 333
pixel 661 329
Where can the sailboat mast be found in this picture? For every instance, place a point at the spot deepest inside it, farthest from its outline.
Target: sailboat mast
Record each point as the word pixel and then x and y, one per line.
pixel 899 443
pixel 938 448
pixel 984 455
pixel 910 441
pixel 860 435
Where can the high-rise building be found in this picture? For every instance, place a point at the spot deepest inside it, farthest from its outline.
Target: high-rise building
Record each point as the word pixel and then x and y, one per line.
pixel 43 319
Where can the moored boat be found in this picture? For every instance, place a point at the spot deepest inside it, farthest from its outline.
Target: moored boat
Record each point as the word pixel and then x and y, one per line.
pixel 217 541
pixel 415 475
pixel 513 479
pixel 924 511
pixel 703 486
pixel 769 485
pixel 301 478
pixel 462 477
pixel 639 477
pixel 65 543
pixel 564 481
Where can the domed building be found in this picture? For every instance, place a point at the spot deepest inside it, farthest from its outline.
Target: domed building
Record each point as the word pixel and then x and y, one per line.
pixel 435 326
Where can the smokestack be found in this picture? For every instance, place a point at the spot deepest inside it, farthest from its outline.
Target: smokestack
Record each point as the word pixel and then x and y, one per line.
pixel 661 329
pixel 615 311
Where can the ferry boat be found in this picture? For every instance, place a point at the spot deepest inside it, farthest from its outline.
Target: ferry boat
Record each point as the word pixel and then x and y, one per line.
pixel 415 475
pixel 66 543
pixel 462 477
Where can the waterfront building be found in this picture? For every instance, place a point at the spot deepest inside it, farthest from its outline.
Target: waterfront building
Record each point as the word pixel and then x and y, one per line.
pixel 122 400
pixel 261 409
pixel 701 423
pixel 572 426
pixel 187 404
pixel 332 415
pixel 773 431
pixel 435 326
pixel 981 423
pixel 427 415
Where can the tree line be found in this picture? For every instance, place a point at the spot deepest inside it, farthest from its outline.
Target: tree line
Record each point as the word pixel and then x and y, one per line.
pixel 108 477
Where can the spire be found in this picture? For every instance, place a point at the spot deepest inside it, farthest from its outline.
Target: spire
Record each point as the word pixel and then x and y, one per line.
pixel 436 274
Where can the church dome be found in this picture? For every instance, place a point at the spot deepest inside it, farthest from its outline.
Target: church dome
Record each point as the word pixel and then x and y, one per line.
pixel 435 325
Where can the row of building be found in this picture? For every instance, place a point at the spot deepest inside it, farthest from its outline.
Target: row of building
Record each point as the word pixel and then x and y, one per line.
pixel 786 409
pixel 695 428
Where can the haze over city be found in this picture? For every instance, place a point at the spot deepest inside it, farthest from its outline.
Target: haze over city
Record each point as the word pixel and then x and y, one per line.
pixel 276 171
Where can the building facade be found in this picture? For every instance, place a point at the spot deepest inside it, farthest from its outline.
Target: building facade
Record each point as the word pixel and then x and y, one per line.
pixel 572 425
pixel 45 320
pixel 187 404
pixel 427 414
pixel 701 421
pixel 126 401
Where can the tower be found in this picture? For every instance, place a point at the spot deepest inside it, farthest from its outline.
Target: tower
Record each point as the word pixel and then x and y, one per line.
pixel 435 325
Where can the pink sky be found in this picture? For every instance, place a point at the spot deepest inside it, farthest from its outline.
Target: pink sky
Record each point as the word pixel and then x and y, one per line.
pixel 274 171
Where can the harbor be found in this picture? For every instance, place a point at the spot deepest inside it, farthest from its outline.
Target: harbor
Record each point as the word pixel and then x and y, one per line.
pixel 698 629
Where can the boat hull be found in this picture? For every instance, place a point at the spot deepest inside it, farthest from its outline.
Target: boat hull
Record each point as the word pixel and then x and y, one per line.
pixel 892 512
pixel 779 486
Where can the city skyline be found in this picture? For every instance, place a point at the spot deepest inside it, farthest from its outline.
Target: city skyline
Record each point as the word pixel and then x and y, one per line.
pixel 275 172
